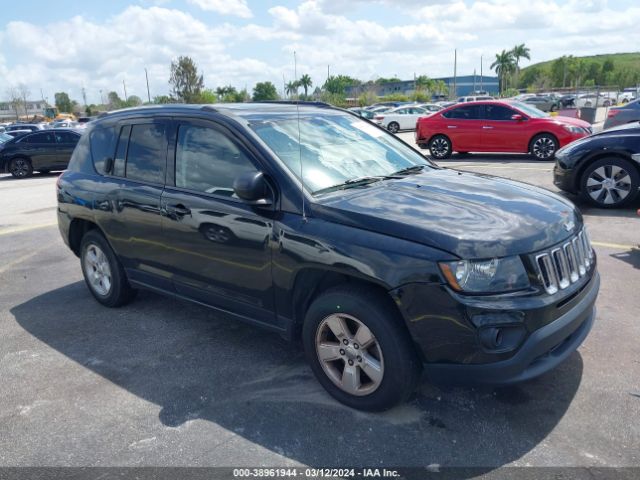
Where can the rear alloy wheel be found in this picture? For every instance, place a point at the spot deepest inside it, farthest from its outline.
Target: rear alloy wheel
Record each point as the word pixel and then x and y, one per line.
pixel 440 147
pixel 21 167
pixel 103 272
pixel 544 146
pixel 393 127
pixel 359 349
pixel 610 183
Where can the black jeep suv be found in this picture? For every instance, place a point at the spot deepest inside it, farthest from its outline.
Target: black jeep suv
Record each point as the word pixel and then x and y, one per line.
pixel 313 222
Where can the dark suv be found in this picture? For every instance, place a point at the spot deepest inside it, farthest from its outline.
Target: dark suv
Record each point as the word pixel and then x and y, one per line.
pixel 315 223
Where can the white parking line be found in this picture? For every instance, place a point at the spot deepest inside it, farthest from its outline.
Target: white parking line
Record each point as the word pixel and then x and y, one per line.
pixel 26 228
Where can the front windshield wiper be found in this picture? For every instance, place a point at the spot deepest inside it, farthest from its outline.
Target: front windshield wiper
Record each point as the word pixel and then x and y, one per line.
pixel 408 170
pixel 353 182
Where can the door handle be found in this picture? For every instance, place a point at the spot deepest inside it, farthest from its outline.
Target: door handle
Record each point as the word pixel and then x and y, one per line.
pixel 178 210
pixel 486 127
pixel 451 126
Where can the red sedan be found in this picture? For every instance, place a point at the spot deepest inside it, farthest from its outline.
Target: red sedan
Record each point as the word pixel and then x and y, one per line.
pixel 497 126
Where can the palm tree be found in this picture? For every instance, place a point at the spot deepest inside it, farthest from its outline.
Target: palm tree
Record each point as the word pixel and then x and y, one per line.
pixel 518 52
pixel 291 88
pixel 503 65
pixel 306 83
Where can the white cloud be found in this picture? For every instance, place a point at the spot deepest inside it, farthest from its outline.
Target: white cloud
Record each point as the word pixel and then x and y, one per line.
pixel 238 8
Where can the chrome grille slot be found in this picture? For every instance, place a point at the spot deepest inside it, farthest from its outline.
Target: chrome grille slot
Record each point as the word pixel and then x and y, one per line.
pixel 561 266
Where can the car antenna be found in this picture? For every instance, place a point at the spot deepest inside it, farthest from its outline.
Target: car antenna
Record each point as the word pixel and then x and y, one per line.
pixel 295 75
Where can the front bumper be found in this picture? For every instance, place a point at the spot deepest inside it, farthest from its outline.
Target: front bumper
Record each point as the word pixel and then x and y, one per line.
pixel 563 179
pixel 447 330
pixel 543 350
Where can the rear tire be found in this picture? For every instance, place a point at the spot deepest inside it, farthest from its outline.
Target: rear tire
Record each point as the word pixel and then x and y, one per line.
pixel 359 349
pixel 21 167
pixel 440 147
pixel 103 272
pixel 610 183
pixel 543 146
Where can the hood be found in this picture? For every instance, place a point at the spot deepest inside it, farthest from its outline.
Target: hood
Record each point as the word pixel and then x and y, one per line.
pixel 621 129
pixel 469 215
pixel 572 121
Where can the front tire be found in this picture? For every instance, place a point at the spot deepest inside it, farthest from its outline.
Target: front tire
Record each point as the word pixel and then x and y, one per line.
pixel 543 146
pixel 393 127
pixel 359 349
pixel 103 272
pixel 610 183
pixel 21 167
pixel 440 147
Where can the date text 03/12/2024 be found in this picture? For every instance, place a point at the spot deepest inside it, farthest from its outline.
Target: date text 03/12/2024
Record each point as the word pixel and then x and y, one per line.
pixel 315 473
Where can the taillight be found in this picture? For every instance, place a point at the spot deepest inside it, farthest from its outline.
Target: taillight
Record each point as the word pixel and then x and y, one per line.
pixel 612 113
pixel 378 117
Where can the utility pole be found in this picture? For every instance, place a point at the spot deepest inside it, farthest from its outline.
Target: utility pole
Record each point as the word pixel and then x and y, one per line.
pixel 125 90
pixel 84 96
pixel 474 81
pixel 284 87
pixel 481 87
pixel 147 77
pixel 101 98
pixel 327 72
pixel 455 73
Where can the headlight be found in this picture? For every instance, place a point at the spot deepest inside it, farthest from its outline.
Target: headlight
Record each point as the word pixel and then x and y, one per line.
pixel 486 276
pixel 574 129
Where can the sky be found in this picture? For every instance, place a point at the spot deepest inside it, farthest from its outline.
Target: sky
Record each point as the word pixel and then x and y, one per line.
pixel 66 45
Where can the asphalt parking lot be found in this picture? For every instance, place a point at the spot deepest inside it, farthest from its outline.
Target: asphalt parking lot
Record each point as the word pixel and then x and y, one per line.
pixel 161 382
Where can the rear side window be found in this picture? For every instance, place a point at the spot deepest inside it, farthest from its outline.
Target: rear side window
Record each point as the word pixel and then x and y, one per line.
pixel 45 137
pixel 102 145
pixel 466 112
pixel 146 156
pixel 67 137
pixel 207 161
pixel 498 112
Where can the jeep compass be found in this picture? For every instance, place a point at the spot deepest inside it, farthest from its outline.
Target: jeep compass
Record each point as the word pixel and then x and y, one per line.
pixel 317 224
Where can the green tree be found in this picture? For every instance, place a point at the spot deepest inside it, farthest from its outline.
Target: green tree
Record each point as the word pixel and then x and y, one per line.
pixel 504 65
pixel 185 81
pixel 133 101
pixel 63 102
pixel 264 91
pixel 208 96
pixel 114 101
pixel 382 80
pixel 337 84
pixel 161 99
pixel 306 83
pixel 291 88
pixel 518 52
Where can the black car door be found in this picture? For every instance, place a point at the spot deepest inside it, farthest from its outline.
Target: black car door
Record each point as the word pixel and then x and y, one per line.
pixel 219 246
pixel 40 148
pixel 127 200
pixel 65 143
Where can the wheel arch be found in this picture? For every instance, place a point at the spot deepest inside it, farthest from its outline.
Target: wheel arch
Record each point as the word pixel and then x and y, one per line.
pixel 77 229
pixel 537 134
pixel 312 282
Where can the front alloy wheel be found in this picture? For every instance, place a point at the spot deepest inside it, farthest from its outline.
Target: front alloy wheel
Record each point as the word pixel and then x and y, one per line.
pixel 393 127
pixel 610 183
pixel 544 147
pixel 349 354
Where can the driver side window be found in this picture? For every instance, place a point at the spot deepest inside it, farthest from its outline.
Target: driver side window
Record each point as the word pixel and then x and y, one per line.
pixel 208 161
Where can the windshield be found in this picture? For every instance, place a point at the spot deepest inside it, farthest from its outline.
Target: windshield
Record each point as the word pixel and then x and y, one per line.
pixel 530 110
pixel 335 148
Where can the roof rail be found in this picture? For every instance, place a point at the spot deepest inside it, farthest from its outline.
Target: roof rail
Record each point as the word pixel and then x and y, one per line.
pixel 209 108
pixel 296 102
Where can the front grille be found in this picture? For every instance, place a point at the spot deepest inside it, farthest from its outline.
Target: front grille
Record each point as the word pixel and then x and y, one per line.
pixel 563 265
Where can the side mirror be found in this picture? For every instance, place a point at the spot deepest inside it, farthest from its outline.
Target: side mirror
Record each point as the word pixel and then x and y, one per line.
pixel 517 117
pixel 253 188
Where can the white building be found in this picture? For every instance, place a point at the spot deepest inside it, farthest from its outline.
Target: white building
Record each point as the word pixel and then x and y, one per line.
pixel 35 107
